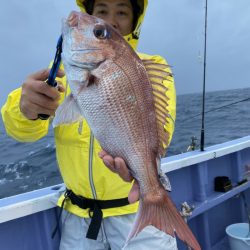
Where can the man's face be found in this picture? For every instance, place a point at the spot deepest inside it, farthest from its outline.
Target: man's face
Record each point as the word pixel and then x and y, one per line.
pixel 118 13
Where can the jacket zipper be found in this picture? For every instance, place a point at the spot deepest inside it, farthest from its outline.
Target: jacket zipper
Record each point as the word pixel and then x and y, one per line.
pixel 91 179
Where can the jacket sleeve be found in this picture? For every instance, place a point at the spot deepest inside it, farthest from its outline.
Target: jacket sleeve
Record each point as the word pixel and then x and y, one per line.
pixel 17 125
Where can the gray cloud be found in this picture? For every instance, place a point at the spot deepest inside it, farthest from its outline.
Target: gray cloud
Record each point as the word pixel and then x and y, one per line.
pixel 29 32
pixel 176 30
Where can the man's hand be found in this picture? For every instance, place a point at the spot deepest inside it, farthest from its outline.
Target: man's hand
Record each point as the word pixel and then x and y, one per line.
pixel 117 165
pixel 38 97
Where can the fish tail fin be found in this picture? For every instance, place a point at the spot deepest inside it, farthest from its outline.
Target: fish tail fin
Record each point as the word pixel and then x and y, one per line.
pixel 162 214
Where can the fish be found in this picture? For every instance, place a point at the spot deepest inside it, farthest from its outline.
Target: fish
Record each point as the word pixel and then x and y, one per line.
pixel 124 101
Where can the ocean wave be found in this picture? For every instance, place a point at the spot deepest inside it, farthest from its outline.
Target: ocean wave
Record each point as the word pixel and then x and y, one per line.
pixel 37 170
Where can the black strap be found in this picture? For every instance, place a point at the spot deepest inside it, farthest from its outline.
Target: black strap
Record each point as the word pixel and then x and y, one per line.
pixel 95 223
pixel 85 203
pixel 95 210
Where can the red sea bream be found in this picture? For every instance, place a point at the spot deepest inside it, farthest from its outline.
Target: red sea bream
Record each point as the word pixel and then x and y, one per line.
pixel 124 102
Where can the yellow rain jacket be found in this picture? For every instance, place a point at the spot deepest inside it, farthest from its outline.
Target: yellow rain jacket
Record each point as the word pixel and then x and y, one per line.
pixel 77 150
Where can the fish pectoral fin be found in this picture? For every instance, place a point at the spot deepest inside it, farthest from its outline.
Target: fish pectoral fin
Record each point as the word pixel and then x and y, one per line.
pixel 68 112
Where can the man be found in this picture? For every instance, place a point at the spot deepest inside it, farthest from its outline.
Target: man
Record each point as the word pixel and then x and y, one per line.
pixel 79 155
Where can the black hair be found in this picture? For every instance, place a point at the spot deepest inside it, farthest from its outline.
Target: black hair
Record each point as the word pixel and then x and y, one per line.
pixel 137 6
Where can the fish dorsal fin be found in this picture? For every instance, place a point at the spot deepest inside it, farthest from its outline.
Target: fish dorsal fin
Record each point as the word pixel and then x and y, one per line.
pixel 157 73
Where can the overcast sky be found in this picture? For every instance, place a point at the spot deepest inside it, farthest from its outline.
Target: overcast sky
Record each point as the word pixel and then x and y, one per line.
pixel 174 29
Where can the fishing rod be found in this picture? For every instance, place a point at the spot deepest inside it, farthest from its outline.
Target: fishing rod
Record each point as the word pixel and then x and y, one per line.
pixel 202 139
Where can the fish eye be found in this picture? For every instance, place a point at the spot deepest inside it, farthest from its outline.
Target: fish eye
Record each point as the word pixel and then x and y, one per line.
pixel 100 32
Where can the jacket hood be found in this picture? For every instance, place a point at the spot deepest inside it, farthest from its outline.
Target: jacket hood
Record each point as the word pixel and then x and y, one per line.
pixel 132 38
